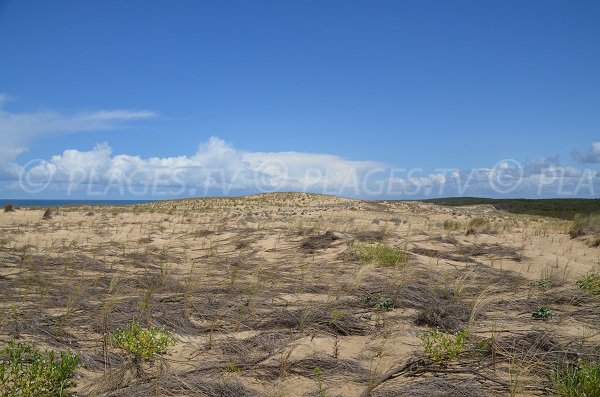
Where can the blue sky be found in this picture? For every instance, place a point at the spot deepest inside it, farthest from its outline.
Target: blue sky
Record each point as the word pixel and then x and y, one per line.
pixel 335 86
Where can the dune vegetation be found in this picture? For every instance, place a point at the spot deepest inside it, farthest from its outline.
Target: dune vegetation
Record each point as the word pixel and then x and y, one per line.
pixel 293 294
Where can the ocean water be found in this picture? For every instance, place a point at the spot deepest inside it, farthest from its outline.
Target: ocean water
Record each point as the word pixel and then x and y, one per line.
pixel 61 203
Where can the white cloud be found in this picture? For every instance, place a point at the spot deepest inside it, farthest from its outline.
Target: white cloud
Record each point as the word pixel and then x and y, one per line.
pixel 216 166
pixel 592 156
pixel 18 130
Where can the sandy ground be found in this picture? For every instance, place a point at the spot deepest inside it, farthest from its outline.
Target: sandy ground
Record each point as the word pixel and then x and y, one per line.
pixel 258 296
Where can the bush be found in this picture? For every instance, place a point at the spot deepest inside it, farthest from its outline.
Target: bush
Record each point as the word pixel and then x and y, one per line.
pixel 581 380
pixel 9 208
pixel 584 225
pixel 26 371
pixel 479 225
pixel 443 347
pixel 590 283
pixel 142 343
pixel 451 225
pixel 379 253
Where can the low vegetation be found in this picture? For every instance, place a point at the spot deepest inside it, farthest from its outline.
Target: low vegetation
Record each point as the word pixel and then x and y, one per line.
pixel 26 371
pixel 143 343
pixel 585 225
pixel 248 296
pixel 379 253
pixel 590 283
pixel 542 313
pixel 440 346
pixel 578 380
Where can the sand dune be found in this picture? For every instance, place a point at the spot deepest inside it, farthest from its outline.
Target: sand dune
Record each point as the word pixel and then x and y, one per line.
pixel 259 291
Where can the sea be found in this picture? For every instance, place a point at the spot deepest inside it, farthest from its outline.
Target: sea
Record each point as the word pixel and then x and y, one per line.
pixel 63 203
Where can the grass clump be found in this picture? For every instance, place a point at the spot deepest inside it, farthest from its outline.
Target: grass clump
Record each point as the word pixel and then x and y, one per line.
pixel 443 347
pixel 479 225
pixel 9 208
pixel 451 225
pixel 141 342
pixel 379 253
pixel 47 214
pixel 581 380
pixel 590 283
pixel 585 225
pixel 26 371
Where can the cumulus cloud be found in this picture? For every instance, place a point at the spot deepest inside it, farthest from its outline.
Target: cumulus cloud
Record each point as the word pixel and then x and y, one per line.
pixel 216 167
pixel 592 156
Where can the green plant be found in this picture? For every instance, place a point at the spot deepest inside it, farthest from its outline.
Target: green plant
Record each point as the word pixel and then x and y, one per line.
pixel 9 208
pixel 580 380
pixel 541 284
pixel 379 253
pixel 590 283
pixel 443 347
pixel 319 381
pixel 451 225
pixel 385 305
pixel 543 313
pixel 26 371
pixel 143 343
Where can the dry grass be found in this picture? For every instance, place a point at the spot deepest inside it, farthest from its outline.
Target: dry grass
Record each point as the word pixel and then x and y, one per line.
pixel 259 291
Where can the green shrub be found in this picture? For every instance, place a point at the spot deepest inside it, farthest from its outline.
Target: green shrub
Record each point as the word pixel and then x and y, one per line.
pixel 143 343
pixel 9 208
pixel 585 224
pixel 543 313
pixel 26 371
pixel 477 222
pixel 385 305
pixel 581 380
pixel 590 283
pixel 379 253
pixel 451 225
pixel 443 347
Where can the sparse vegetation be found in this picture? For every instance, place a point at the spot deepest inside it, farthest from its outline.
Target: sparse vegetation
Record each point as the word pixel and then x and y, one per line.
pixel 577 380
pixel 585 225
pixel 26 371
pixel 9 208
pixel 228 291
pixel 319 382
pixel 451 225
pixel 479 225
pixel 590 283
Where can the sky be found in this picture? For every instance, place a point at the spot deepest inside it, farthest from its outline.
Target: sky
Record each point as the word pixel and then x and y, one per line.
pixel 385 99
